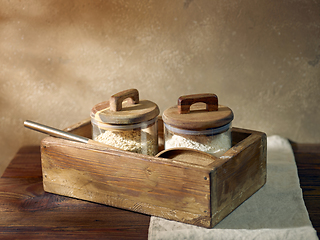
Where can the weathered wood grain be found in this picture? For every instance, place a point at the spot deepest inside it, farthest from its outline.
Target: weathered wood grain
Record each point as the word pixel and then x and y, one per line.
pixel 126 180
pixel 26 163
pixel 27 212
pixel 176 190
pixel 23 197
pixel 238 174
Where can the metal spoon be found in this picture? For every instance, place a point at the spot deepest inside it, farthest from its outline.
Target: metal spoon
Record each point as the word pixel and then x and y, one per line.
pixel 59 133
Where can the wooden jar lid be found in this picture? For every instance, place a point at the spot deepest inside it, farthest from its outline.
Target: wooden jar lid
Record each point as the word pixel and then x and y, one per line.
pixel 118 111
pixel 198 112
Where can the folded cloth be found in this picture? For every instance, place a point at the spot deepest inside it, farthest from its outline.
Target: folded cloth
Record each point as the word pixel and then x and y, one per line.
pixel 276 211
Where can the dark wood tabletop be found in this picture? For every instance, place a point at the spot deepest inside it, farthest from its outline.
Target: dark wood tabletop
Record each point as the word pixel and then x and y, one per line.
pixel 27 212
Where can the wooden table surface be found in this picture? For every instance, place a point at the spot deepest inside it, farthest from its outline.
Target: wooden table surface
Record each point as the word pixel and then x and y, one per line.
pixel 28 212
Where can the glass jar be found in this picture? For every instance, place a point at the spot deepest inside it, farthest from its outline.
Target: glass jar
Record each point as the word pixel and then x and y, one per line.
pixel 198 122
pixel 127 123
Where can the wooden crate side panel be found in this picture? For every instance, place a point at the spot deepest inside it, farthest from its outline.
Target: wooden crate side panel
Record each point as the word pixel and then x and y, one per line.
pixel 239 177
pixel 129 204
pixel 238 135
pixel 83 128
pixel 172 192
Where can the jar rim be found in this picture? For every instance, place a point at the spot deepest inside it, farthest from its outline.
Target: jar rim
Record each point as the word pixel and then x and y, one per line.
pixel 209 131
pixel 104 125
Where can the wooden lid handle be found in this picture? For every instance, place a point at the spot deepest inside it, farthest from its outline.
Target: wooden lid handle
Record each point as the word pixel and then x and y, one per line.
pixel 185 102
pixel 117 99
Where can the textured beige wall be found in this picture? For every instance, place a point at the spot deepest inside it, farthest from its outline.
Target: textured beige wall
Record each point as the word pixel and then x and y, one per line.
pixel 59 58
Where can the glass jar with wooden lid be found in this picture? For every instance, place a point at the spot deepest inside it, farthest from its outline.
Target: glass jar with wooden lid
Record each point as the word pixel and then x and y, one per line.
pixel 198 122
pixel 126 122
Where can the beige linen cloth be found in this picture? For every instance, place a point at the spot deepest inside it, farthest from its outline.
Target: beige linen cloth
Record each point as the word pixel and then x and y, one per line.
pixel 276 211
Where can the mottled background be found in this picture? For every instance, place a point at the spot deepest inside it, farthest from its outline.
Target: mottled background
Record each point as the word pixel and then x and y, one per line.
pixel 59 58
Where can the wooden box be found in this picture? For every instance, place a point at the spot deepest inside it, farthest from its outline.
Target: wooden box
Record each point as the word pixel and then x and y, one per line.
pixel 185 192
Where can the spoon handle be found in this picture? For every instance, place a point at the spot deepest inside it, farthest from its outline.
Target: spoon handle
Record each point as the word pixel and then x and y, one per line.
pixel 54 132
